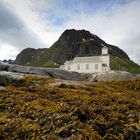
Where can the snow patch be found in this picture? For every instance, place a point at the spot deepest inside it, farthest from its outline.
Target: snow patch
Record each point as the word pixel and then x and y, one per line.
pixel 84 39
pixel 103 45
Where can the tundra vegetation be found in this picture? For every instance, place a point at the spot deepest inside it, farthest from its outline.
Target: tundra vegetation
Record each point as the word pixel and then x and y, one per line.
pixel 37 109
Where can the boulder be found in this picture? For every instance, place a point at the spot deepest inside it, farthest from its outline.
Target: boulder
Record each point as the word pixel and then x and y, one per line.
pixel 16 70
pixel 51 72
pixel 9 77
pixel 63 74
pixel 19 69
pixel 116 75
pixel 2 88
pixel 4 67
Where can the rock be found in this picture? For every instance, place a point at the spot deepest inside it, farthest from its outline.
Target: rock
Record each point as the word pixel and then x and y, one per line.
pixel 2 88
pixel 65 75
pixel 4 67
pixel 4 78
pixel 137 76
pixel 115 75
pixel 9 77
pixel 51 72
pixel 19 69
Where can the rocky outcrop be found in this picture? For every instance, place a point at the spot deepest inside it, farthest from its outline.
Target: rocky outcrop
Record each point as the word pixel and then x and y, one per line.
pixel 9 77
pixel 50 72
pixel 10 73
pixel 83 43
pixel 25 56
pixel 2 88
pixel 4 67
pixel 113 76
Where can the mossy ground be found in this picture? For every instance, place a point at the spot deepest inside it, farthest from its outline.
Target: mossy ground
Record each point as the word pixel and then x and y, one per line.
pixel 33 109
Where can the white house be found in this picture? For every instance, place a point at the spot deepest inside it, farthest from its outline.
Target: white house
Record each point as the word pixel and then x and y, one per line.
pixel 89 64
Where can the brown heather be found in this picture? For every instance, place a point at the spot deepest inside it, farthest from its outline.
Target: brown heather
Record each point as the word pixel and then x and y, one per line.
pixel 35 110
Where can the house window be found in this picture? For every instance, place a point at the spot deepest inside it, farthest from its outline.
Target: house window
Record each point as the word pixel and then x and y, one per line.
pixel 87 66
pixel 96 66
pixel 68 67
pixel 78 66
pixel 104 65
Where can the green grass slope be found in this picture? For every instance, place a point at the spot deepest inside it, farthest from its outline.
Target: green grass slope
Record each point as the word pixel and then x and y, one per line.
pixel 123 64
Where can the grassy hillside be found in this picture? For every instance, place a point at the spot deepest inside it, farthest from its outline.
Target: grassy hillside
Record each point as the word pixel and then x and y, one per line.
pixel 36 109
pixel 123 64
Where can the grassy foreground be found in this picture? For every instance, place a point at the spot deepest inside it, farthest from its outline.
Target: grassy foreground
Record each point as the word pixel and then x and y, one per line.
pixel 34 109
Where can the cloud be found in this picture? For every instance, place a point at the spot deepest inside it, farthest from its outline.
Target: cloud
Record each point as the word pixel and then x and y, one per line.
pixel 7 51
pixel 14 34
pixel 116 21
pixel 28 11
pixel 36 22
pixel 132 46
pixel 119 25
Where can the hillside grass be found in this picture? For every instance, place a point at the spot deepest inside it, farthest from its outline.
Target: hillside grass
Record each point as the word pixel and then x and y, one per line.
pixel 35 108
pixel 123 64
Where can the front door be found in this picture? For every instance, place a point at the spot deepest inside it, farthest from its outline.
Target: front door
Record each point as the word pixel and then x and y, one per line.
pixel 104 69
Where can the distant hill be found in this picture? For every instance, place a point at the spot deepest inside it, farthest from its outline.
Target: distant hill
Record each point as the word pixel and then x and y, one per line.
pixel 75 43
pixel 10 61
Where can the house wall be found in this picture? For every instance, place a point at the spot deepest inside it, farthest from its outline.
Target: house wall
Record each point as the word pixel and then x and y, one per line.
pixel 83 68
pixel 104 51
pixel 68 67
pixel 106 60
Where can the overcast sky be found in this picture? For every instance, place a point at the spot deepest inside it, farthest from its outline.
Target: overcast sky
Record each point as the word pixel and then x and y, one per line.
pixel 39 23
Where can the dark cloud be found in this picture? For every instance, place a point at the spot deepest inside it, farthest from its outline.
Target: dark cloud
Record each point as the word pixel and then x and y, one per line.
pixel 13 31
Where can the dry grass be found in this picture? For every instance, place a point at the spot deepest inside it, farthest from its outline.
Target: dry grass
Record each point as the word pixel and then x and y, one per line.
pixel 33 109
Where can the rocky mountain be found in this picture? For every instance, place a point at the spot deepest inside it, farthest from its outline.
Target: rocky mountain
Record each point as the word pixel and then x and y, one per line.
pixel 75 43
pixel 10 61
